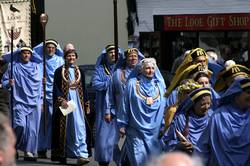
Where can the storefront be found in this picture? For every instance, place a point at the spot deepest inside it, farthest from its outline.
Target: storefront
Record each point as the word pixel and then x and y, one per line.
pixel 173 34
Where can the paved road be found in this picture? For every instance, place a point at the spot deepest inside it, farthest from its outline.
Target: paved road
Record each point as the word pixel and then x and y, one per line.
pixel 20 162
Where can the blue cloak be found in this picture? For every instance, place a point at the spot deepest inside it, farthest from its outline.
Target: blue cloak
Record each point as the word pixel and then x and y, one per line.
pixel 226 140
pixel 26 102
pixel 142 122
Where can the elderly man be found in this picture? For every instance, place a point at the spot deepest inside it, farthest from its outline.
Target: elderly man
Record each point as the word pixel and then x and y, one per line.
pixel 54 59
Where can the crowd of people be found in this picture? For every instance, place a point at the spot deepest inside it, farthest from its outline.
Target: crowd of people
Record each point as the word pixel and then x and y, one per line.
pixel 201 118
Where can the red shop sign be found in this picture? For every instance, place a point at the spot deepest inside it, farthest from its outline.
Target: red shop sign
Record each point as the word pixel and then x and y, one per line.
pixel 232 21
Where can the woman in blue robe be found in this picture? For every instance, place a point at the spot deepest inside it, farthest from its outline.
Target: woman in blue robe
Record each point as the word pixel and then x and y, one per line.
pixel 190 121
pixel 53 59
pixel 106 138
pixel 27 86
pixel 226 139
pixel 69 132
pixel 141 117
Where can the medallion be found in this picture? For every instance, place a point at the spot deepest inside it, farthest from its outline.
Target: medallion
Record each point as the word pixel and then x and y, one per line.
pixel 149 100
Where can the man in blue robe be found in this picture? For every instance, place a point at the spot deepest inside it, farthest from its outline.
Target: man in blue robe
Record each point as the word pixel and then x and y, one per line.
pixel 106 130
pixel 53 60
pixel 141 117
pixel 124 66
pixel 190 121
pixel 69 136
pixel 226 139
pixel 27 85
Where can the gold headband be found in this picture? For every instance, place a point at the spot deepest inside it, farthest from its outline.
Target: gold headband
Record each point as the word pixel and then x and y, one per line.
pixel 200 93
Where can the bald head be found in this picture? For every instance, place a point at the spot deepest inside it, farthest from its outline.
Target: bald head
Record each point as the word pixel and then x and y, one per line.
pixel 174 159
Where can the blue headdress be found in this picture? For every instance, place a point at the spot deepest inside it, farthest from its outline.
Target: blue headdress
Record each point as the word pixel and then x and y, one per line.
pixel 39 48
pixel 103 57
pixel 121 62
pixel 16 54
pixel 137 71
pixel 235 88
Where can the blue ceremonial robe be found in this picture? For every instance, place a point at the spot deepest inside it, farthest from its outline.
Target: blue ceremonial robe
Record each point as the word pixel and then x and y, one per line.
pixel 142 122
pixel 106 132
pixel 52 63
pixel 26 103
pixel 196 127
pixel 226 140
pixel 116 90
pixel 69 135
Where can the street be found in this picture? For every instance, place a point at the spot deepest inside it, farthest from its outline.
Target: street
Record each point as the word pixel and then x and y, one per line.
pixel 20 161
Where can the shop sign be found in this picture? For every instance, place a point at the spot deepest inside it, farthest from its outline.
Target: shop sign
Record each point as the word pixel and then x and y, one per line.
pixel 233 21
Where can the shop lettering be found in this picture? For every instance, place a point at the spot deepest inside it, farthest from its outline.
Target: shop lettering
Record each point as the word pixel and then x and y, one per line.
pixel 194 22
pixel 238 21
pixel 174 22
pixel 215 21
pixel 14 17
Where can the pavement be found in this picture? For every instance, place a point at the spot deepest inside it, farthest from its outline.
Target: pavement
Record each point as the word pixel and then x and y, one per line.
pixel 39 161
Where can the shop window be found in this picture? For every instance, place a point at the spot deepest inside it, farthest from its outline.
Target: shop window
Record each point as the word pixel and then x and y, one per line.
pixel 150 44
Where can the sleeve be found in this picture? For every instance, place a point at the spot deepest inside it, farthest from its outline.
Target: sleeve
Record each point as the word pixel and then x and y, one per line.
pixel 109 104
pixel 38 53
pixel 85 91
pixel 57 91
pixel 170 139
pixel 99 82
pixel 123 114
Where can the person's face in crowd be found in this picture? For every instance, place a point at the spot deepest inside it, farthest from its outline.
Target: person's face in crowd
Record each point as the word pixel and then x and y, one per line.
pixel 243 99
pixel 204 81
pixel 25 56
pixel 111 57
pixel 8 156
pixel 50 49
pixel 70 58
pixel 148 70
pixel 132 59
pixel 201 106
pixel 201 60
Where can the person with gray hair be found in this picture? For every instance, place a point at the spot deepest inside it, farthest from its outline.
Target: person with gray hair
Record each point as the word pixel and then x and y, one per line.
pixel 175 159
pixel 7 143
pixel 141 116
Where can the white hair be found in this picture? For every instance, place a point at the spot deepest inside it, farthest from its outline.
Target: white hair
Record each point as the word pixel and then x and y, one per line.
pixel 148 61
pixel 213 55
pixel 229 63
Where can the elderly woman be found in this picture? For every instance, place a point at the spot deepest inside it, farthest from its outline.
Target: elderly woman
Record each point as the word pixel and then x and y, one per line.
pixel 142 113
pixel 190 122
pixel 226 139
